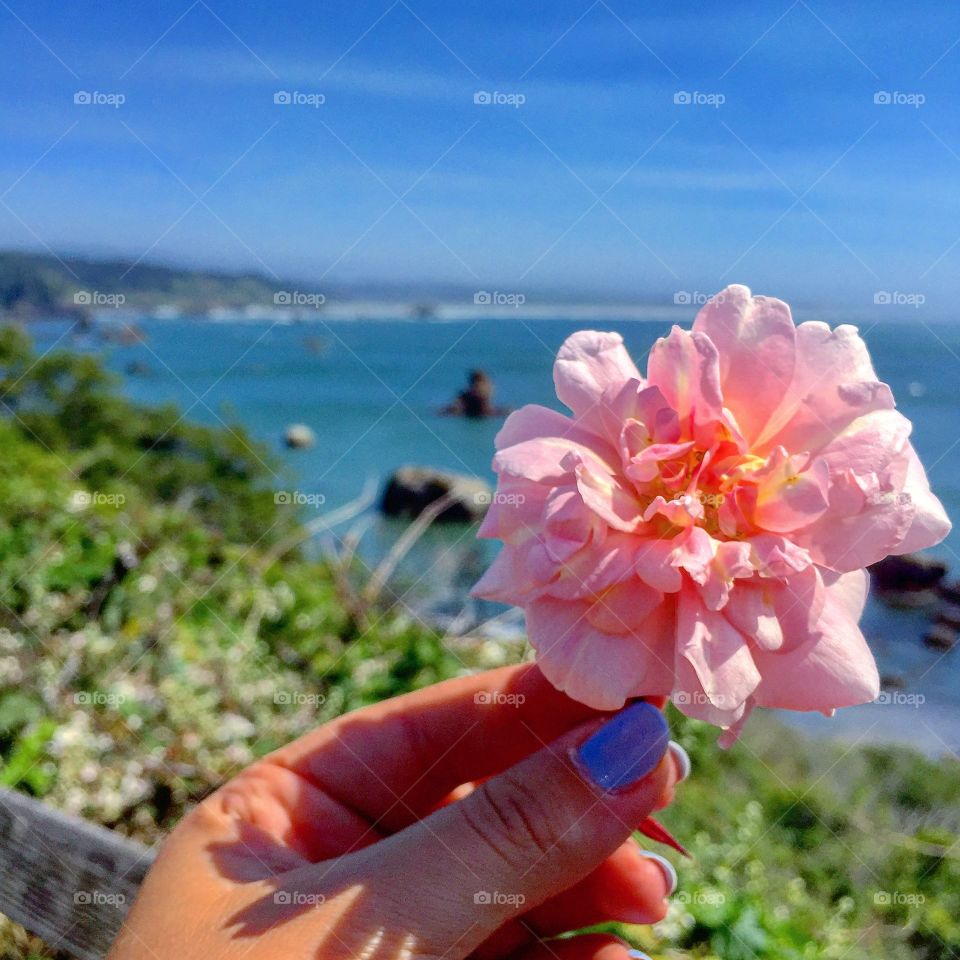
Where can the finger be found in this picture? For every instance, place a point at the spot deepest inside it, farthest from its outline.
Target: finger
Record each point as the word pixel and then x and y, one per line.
pixel 283 807
pixel 288 809
pixel 521 838
pixel 681 762
pixel 395 761
pixel 631 886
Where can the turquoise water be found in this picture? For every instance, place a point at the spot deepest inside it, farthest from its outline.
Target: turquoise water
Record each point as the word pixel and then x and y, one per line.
pixel 371 390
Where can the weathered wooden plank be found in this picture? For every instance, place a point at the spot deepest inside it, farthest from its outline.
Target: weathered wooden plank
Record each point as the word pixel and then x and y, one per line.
pixel 67 881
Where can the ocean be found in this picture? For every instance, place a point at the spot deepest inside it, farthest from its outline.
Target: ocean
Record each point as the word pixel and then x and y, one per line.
pixel 371 391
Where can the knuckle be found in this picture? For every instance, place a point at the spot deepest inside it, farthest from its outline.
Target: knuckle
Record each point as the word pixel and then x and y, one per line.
pixel 515 821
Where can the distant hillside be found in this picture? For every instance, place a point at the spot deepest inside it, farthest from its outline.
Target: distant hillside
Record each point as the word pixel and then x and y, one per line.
pixel 33 285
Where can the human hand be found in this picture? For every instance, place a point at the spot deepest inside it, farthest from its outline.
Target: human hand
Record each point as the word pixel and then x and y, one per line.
pixel 461 820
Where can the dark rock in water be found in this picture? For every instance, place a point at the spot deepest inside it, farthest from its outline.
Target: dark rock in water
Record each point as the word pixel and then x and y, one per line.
pixel 907 581
pixel 892 681
pixel 950 615
pixel 909 599
pixel 299 436
pixel 911 571
pixel 950 591
pixel 941 637
pixel 411 489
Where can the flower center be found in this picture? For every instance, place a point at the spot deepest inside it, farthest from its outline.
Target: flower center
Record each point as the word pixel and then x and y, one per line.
pixel 705 480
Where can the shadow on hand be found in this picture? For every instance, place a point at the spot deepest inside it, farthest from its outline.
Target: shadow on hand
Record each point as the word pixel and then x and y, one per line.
pixel 359 912
pixel 363 780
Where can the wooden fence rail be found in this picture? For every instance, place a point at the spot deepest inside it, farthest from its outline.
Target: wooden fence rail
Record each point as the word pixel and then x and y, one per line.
pixel 67 881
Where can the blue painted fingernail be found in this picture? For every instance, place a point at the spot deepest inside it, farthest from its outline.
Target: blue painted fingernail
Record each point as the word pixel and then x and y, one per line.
pixel 626 748
pixel 638 955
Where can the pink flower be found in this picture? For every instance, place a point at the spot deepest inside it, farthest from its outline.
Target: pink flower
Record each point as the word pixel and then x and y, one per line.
pixel 702 532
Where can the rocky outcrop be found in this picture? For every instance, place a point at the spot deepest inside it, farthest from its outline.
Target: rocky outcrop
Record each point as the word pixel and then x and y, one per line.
pixel 940 636
pixel 950 591
pixel 410 489
pixel 909 580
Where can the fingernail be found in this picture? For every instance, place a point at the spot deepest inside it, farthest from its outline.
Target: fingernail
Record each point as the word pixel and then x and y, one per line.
pixel 638 955
pixel 626 748
pixel 682 759
pixel 669 873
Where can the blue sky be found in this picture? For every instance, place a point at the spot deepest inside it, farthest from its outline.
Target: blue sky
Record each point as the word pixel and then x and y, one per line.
pixel 598 184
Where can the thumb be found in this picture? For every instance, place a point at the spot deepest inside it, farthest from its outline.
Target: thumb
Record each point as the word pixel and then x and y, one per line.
pixel 527 834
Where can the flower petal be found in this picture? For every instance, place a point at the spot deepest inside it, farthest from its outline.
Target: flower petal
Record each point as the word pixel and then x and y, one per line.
pixel 788 498
pixel 835 668
pixel 751 610
pixel 619 609
pixel 834 384
pixel 756 341
pixel 598 669
pixel 588 573
pixel 606 494
pixel 866 518
pixel 776 556
pixel 588 364
pixel 545 459
pixel 720 658
pixel 568 524
pixel 508 579
pixel 777 614
pixel 683 511
pixel 515 508
pixel 685 367
pixel 930 523
pixel 533 421
pixel 653 564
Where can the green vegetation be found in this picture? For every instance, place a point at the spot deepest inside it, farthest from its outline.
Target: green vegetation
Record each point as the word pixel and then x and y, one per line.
pixel 154 639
